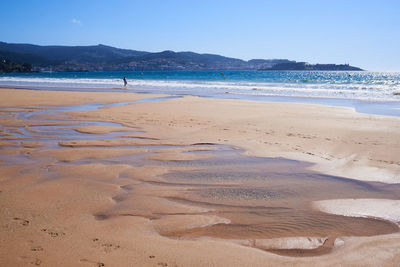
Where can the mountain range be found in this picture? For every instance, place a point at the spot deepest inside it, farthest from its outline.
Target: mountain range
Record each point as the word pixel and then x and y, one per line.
pixel 106 58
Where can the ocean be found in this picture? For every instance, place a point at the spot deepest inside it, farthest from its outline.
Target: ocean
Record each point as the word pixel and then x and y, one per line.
pixel 367 92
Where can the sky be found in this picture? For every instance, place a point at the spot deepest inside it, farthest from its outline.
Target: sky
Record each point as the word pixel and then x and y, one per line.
pixel 362 33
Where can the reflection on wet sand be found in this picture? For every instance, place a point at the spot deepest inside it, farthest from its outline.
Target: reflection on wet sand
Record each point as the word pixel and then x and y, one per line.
pixel 194 191
pixel 269 198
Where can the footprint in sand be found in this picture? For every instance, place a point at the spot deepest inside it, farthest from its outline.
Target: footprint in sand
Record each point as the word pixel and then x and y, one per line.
pixel 31 261
pixel 36 262
pixel 22 221
pixel 108 247
pixel 98 264
pixel 164 264
pixel 53 233
pixel 37 248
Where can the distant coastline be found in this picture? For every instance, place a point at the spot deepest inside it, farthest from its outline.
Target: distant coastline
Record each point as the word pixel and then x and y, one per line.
pixel 107 58
pixel 309 67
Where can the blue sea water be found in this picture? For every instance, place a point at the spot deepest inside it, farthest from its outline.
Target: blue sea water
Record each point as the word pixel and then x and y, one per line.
pixel 369 92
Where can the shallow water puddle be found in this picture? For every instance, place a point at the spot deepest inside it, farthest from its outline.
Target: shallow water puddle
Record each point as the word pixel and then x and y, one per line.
pixel 269 198
pixel 204 190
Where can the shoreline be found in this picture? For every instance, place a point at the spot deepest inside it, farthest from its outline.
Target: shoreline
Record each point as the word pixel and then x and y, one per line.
pixel 110 185
pixel 371 107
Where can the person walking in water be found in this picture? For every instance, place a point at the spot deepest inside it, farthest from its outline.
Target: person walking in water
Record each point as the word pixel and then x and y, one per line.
pixel 125 82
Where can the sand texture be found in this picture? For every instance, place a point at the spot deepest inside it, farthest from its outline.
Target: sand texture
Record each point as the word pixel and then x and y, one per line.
pixel 387 209
pixel 194 182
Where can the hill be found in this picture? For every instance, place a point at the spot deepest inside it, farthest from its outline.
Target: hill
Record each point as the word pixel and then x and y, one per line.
pixel 7 66
pixel 106 58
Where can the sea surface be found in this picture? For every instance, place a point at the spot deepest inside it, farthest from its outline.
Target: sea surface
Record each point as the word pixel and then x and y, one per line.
pixel 367 92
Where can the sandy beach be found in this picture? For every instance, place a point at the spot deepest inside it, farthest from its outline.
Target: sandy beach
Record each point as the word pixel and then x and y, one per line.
pixel 192 181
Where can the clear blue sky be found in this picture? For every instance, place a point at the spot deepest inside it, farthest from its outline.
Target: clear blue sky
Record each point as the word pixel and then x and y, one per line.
pixel 362 33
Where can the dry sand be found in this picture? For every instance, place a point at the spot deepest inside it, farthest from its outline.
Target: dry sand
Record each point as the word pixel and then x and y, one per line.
pixel 387 209
pixel 93 214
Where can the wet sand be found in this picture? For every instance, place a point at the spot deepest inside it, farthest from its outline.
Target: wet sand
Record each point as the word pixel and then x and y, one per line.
pixel 193 182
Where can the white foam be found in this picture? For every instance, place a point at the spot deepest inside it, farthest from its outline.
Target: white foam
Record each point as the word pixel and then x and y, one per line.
pixel 363 90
